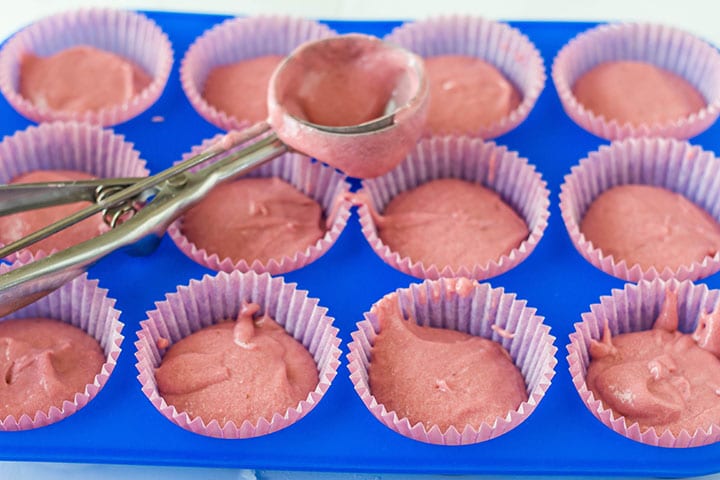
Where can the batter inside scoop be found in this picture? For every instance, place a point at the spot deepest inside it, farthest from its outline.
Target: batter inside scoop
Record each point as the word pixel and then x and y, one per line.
pixel 650 226
pixel 235 371
pixel 254 219
pixel 345 83
pixel 637 93
pixel 450 222
pixel 80 79
pixel 467 94
pixel 661 377
pixel 43 363
pixel 438 376
pixel 356 81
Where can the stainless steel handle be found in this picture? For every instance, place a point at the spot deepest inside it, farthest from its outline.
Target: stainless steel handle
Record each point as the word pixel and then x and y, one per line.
pixel 26 284
pixel 143 187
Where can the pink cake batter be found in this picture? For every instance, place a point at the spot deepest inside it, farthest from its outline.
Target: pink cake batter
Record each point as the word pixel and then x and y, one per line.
pixel 467 94
pixel 43 363
pixel 80 79
pixel 16 226
pixel 236 371
pixel 637 93
pixel 438 376
pixel 345 81
pixel 450 222
pixel 254 219
pixel 341 85
pixel 660 377
pixel 650 226
pixel 240 89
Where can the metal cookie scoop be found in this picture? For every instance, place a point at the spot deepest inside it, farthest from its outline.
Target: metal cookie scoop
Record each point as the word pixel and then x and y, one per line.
pixel 141 209
pixel 369 147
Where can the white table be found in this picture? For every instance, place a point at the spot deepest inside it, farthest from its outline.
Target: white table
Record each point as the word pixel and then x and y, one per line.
pixel 697 16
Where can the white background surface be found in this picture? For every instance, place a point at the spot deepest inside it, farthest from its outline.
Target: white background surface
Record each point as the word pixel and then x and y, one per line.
pixel 701 17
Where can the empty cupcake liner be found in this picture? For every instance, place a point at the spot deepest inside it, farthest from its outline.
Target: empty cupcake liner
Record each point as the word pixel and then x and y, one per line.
pixel 634 309
pixel 235 40
pixel 83 304
pixel 478 309
pixel 663 46
pixel 485 163
pixel 67 146
pixel 502 46
pixel 672 164
pixel 128 34
pixel 323 184
pixel 217 298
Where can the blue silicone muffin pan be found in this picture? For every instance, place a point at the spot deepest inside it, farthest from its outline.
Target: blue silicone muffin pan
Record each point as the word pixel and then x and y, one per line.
pixel 560 437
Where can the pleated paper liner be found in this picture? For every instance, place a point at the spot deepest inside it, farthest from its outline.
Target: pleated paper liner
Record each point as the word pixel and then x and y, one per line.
pixel 502 46
pixel 634 309
pixel 321 183
pixel 67 146
pixel 495 167
pixel 671 164
pixel 128 34
pixel 83 304
pixel 478 309
pixel 666 47
pixel 217 298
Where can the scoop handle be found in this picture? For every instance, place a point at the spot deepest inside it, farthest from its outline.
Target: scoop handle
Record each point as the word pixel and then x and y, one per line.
pixel 26 284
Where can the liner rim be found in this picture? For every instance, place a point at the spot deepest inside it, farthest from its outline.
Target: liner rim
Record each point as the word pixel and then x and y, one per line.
pixel 607 263
pixel 108 116
pixel 263 426
pixel 230 26
pixel 452 436
pixel 616 422
pixel 612 129
pixel 339 214
pixel 112 352
pixel 492 268
pixel 529 97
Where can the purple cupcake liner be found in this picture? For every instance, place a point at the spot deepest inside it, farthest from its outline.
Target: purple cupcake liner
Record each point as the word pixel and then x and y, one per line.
pixel 478 309
pixel 83 304
pixel 671 164
pixel 128 34
pixel 502 46
pixel 214 299
pixel 485 163
pixel 634 309
pixel 240 39
pixel 67 146
pixel 323 184
pixel 663 46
